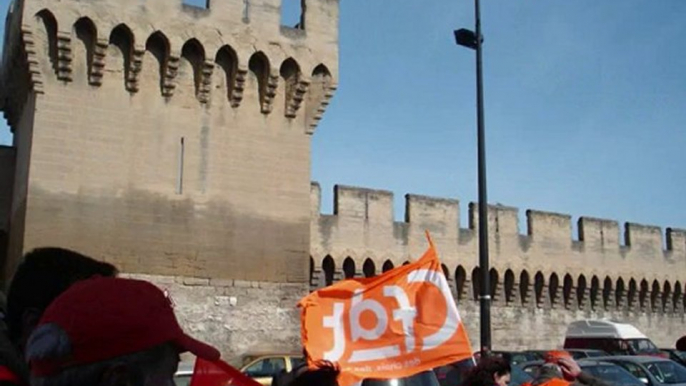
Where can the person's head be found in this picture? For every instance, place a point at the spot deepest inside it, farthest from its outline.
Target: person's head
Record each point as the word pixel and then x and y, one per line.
pixel 322 374
pixel 552 365
pixel 110 332
pixel 489 371
pixel 44 274
pixel 681 343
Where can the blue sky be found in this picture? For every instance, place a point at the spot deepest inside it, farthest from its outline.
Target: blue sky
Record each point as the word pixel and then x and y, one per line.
pixel 585 105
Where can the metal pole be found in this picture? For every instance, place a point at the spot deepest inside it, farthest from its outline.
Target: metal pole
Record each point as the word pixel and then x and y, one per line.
pixel 485 296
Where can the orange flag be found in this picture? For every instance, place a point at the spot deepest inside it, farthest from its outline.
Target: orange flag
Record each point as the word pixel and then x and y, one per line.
pixel 218 373
pixel 390 326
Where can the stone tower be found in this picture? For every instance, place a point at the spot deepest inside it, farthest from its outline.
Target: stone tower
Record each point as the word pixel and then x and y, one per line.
pixel 168 139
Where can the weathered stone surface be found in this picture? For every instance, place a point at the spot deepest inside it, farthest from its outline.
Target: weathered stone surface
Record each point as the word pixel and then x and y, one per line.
pixel 174 142
pixel 542 277
pixel 165 138
pixel 238 320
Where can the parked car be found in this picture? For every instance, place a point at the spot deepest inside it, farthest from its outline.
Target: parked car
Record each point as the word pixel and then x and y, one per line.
pixel 675 355
pixel 514 357
pixel 426 378
pixel 612 337
pixel 536 354
pixel 263 368
pixel 453 374
pixel 586 353
pixel 518 376
pixel 184 373
pixel 612 373
pixel 652 371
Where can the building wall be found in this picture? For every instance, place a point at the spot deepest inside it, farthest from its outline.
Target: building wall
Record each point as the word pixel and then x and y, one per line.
pixel 174 142
pixel 540 280
pixel 170 139
pixel 238 317
pixel 7 165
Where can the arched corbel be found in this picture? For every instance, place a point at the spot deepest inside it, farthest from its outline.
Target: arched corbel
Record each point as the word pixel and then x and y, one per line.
pixel 295 100
pixel 64 56
pixel 205 81
pixel 321 109
pixel 32 61
pixel 169 84
pixel 98 65
pixel 136 64
pixel 270 90
pixel 239 85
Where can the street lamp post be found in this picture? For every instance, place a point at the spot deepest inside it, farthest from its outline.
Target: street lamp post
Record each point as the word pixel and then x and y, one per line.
pixel 474 40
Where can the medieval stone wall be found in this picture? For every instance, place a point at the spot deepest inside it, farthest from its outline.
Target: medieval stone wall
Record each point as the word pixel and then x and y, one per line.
pixel 165 138
pixel 7 165
pixel 174 141
pixel 540 280
pixel 239 317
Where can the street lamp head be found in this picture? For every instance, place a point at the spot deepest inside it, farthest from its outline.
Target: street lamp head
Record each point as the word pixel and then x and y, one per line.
pixel 466 38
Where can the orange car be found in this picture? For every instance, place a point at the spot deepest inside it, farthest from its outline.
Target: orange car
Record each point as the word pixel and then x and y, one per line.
pixel 263 368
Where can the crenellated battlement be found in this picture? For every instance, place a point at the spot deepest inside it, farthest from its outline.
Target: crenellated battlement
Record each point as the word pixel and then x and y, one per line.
pixel 376 207
pixel 362 235
pixel 184 54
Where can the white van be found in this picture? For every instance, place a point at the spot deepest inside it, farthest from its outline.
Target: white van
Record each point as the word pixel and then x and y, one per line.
pixel 612 337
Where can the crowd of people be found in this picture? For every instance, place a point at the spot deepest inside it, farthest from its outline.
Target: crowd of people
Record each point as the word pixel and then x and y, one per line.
pixel 559 369
pixel 69 320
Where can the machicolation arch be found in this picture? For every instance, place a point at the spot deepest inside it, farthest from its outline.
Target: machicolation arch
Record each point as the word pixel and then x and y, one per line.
pixel 94 51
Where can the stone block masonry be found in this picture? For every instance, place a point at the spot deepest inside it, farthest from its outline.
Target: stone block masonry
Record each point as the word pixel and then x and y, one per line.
pixel 174 141
pixel 164 138
pixel 541 279
pixel 239 317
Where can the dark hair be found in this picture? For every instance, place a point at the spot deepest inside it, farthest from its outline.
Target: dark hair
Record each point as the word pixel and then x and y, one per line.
pixel 42 276
pixel 482 374
pixel 323 374
pixel 681 343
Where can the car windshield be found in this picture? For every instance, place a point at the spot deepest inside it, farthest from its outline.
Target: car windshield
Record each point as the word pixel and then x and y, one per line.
pixel 426 378
pixel 615 375
pixel 518 358
pixel 182 380
pixel 667 372
pixel 453 374
pixel 518 377
pixel 642 346
pixel 593 354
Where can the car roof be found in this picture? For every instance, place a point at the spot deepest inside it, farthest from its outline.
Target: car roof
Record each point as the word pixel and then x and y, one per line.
pixel 581 362
pixel 583 350
pixel 602 328
pixel 185 367
pixel 530 363
pixel 594 362
pixel 634 358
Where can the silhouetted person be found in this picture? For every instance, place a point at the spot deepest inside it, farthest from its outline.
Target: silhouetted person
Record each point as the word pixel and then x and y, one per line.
pixel 491 371
pixel 324 374
pixel 110 332
pixel 681 343
pixel 42 276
